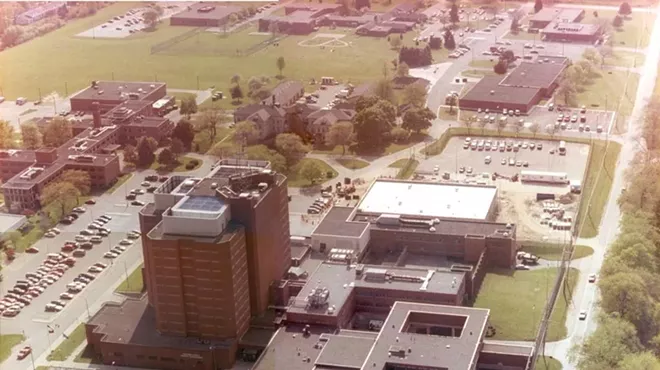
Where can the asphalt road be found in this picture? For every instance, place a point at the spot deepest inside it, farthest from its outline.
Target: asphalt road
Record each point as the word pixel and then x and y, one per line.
pixel 33 321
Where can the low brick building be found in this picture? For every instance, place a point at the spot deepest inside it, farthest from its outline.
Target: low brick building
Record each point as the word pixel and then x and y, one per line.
pixel 109 94
pixel 204 14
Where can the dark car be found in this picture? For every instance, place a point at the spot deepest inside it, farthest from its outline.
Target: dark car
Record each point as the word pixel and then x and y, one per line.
pixel 90 201
pixel 66 221
pixel 163 178
pixel 151 189
pixel 130 197
pixel 151 178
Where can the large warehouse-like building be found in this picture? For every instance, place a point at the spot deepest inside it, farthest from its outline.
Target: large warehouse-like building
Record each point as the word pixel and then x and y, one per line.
pixel 521 89
pixel 563 25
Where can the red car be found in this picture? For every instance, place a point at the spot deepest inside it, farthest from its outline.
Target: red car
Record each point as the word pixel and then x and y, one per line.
pixel 24 352
pixel 32 250
pixel 90 201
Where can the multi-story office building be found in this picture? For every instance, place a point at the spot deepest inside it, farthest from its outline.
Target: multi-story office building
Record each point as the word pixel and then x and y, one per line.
pixel 213 246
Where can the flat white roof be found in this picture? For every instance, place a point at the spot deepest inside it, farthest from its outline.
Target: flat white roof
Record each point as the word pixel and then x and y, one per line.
pixel 428 199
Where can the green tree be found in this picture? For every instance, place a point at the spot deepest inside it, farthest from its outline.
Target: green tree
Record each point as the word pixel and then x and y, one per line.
pixel 6 135
pixel 453 13
pixel 592 55
pixel 236 93
pixel 291 147
pixel 501 67
pixel 79 179
pixel 311 171
pixel 399 134
pixel 188 106
pixel 415 94
pixel 402 70
pixel 538 5
pixel 340 133
pixel 236 79
pixel 130 154
pixel 617 22
pixel 59 193
pixel 515 25
pixel 150 18
pixel 209 121
pixel 417 119
pixel 12 237
pixel 567 91
pixel 625 9
pixel 185 132
pixel 11 36
pixel 57 132
pixel 166 157
pixel 613 340
pixel 395 43
pixel 384 90
pixel 450 43
pixel 246 133
pixel 145 153
pixel 32 138
pixel 534 128
pixel 263 153
pixel 177 148
pixel 280 65
pixel 640 361
pixel 373 123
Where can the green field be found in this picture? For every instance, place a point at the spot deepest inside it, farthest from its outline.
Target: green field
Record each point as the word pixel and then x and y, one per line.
pixel 352 163
pixel 607 90
pixel 25 70
pixel 132 284
pixel 407 169
pixel 553 252
pixel 516 300
pixel 625 59
pixel 66 348
pixel 7 342
pixel 296 181
pixel 635 32
pixel 218 43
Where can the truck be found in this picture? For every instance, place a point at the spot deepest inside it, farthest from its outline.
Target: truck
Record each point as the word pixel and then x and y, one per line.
pixel 562 147
pixel 544 176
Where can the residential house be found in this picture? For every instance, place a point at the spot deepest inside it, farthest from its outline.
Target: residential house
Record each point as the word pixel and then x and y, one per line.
pixel 269 119
pixel 319 122
pixel 286 94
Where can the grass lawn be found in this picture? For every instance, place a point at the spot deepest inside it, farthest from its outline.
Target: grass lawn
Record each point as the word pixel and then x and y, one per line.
pixel 130 59
pixel 601 156
pixel 547 363
pixel 625 59
pixel 66 348
pixel 179 167
pixel 607 90
pixel 516 300
pixel 297 181
pixel 483 63
pixel 478 73
pixel 636 30
pixel 120 181
pixel 7 342
pixel 391 148
pixel 399 163
pixel 552 251
pixel 203 139
pixel 407 169
pixel 594 206
pixel 132 284
pixel 444 114
pixel 352 163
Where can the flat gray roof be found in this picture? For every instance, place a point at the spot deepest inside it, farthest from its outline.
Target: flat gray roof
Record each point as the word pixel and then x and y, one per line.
pixel 341 279
pixel 337 222
pixel 432 351
pixel 10 222
pixel 428 199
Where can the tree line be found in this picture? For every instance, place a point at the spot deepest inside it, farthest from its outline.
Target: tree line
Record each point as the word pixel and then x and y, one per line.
pixel 628 334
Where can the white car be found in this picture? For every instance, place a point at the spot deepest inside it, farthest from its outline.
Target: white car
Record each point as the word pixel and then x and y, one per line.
pixel 583 315
pixel 126 242
pixel 80 209
pixel 81 239
pixel 146 184
pixel 55 230
pixel 86 232
pixel 522 267
pixel 95 269
pixel 592 278
pixel 50 235
pixel 110 255
pixel 120 247
pixel 101 265
pixel 133 236
pixel 66 296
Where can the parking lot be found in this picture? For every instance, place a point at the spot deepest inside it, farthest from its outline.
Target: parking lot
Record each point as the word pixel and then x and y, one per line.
pixel 593 119
pixel 126 24
pixel 454 157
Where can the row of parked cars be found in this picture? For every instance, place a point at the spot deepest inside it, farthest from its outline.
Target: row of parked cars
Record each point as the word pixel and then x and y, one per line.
pixel 35 283
pixel 146 184
pixel 500 145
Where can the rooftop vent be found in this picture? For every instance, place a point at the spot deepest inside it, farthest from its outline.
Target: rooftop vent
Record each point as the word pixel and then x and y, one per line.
pixel 432 229
pixel 100 92
pixel 492 92
pixel 214 185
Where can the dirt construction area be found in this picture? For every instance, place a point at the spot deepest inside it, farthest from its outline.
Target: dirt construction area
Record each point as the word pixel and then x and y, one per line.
pixel 517 201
